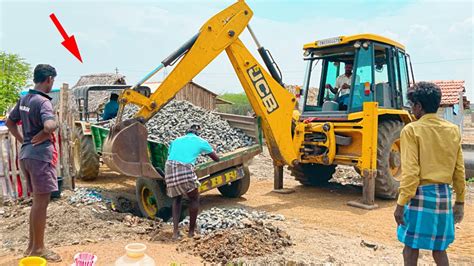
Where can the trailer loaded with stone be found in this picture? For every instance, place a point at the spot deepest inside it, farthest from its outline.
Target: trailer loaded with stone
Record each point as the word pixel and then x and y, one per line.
pixel 236 145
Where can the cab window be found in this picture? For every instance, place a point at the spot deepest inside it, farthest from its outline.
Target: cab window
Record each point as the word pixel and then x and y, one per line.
pixel 362 80
pixel 403 77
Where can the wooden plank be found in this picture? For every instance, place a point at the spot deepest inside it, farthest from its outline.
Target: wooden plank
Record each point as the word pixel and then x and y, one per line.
pixel 4 182
pixel 20 172
pixel 11 161
pixel 247 124
pixel 237 157
pixel 5 159
pixel 61 113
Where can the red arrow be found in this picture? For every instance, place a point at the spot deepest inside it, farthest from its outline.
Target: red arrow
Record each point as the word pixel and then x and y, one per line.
pixel 69 42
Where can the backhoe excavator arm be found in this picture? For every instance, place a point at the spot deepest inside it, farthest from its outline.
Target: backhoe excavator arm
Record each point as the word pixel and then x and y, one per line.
pixel 273 103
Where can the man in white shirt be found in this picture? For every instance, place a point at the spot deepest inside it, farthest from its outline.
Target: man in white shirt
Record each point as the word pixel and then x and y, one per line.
pixel 343 87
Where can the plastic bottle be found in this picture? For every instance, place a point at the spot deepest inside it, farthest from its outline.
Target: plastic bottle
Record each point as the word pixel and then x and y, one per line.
pixel 135 255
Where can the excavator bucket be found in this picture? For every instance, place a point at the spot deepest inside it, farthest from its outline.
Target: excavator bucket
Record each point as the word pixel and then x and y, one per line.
pixel 125 150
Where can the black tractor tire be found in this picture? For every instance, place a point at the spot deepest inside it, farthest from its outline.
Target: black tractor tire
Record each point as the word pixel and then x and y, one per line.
pixel 388 159
pixel 152 199
pixel 237 188
pixel 85 159
pixel 313 174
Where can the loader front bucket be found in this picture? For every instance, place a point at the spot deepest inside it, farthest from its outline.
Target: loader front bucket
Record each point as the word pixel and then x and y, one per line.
pixel 125 150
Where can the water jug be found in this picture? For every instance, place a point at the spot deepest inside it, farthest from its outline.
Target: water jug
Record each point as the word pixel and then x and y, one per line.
pixel 135 255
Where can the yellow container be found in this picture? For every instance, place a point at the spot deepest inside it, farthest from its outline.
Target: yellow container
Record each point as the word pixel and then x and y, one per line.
pixel 32 261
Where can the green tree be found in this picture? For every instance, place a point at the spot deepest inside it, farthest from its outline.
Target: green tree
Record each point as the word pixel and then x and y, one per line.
pixel 240 106
pixel 14 75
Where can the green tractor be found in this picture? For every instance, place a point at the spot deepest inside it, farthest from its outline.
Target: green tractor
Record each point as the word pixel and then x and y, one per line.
pixel 86 159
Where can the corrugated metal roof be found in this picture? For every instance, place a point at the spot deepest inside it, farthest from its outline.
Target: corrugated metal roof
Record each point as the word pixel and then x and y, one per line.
pixel 451 90
pixel 155 84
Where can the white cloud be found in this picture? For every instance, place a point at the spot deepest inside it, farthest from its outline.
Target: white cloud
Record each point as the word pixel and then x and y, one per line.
pixel 462 26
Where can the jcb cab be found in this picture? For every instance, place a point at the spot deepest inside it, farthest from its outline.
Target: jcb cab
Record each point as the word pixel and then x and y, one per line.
pixel 361 128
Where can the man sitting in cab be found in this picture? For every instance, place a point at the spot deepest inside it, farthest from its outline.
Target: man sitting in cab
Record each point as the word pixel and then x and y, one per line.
pixel 343 87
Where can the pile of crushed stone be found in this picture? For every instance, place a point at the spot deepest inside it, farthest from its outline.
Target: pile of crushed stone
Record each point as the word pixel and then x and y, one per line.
pixel 71 222
pixel 174 119
pixel 218 218
pixel 227 246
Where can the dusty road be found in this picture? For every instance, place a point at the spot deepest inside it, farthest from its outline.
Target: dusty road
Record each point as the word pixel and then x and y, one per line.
pixel 323 228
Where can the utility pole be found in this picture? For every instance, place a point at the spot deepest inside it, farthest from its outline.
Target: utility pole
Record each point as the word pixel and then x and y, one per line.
pixel 116 70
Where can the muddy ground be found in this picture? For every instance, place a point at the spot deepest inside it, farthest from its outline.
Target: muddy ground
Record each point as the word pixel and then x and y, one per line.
pixel 322 228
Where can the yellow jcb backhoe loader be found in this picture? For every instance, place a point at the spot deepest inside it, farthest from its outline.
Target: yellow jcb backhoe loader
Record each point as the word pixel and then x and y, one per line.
pixel 360 128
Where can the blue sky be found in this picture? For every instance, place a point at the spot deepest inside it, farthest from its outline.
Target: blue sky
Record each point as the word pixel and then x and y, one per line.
pixel 134 36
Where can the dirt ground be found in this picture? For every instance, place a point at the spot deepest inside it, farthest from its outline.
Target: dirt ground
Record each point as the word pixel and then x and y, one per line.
pixel 322 227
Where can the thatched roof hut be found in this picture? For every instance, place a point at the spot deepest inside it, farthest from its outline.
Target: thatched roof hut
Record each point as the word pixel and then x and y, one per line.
pixel 96 98
pixel 101 79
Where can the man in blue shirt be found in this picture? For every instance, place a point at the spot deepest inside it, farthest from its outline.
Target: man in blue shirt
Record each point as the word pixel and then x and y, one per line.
pixel 180 177
pixel 111 108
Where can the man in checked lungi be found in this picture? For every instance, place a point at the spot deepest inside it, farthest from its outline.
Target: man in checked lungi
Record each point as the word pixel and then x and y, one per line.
pixel 180 177
pixel 432 162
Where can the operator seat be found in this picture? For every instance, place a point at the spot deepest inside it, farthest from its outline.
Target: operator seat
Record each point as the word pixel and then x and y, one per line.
pixel 329 106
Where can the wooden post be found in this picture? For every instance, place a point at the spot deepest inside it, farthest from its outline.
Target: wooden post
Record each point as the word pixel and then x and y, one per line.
pixel 71 117
pixel 65 136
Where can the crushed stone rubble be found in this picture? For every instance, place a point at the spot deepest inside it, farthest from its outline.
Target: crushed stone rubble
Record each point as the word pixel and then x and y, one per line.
pixel 230 245
pixel 86 196
pixel 174 119
pixel 224 218
pixel 346 175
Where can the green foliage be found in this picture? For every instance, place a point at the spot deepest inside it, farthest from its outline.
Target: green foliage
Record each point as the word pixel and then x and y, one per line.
pixel 470 180
pixel 14 75
pixel 240 106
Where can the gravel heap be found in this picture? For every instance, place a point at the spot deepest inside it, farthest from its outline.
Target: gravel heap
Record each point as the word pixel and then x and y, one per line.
pixel 227 246
pixel 223 218
pixel 72 220
pixel 86 196
pixel 174 118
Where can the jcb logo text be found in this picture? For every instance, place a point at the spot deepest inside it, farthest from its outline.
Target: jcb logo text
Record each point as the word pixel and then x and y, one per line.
pixel 263 89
